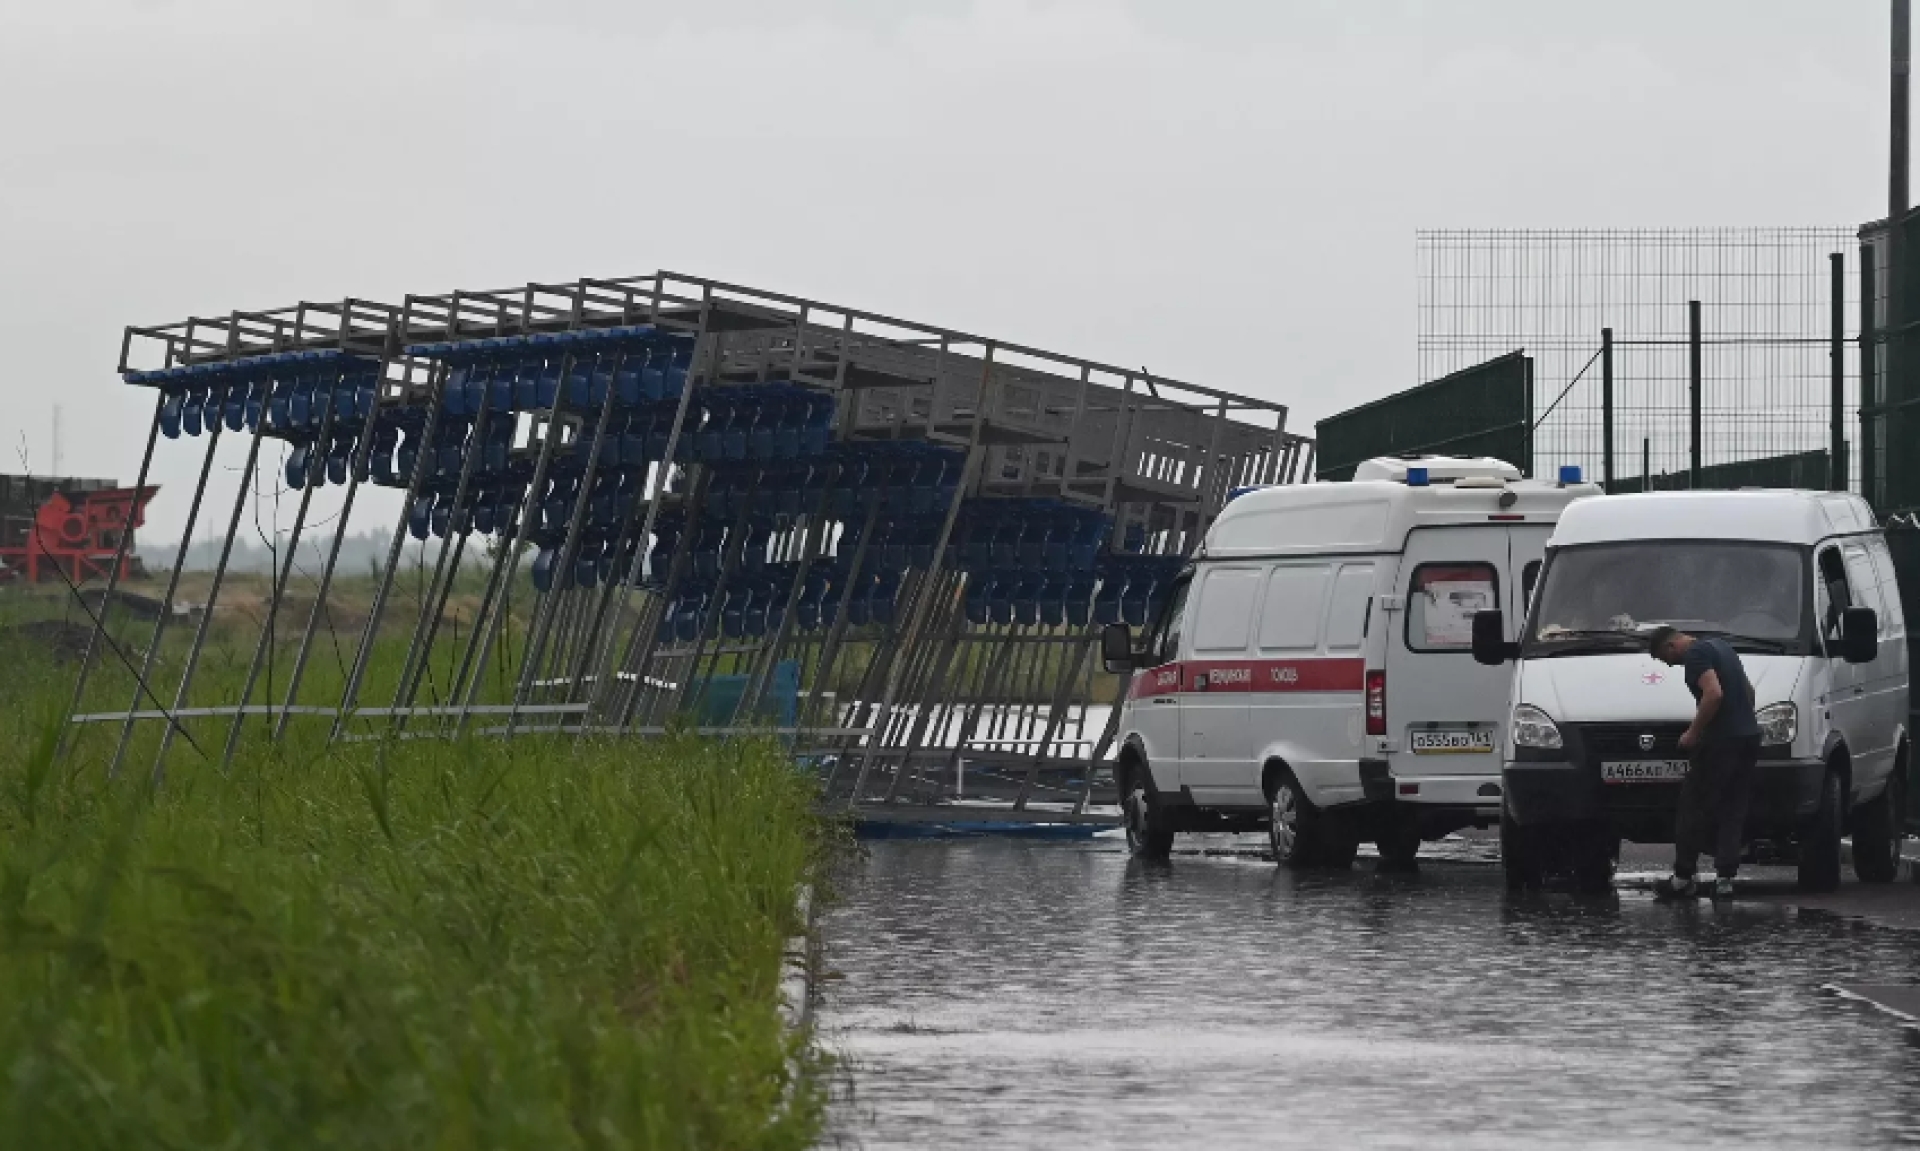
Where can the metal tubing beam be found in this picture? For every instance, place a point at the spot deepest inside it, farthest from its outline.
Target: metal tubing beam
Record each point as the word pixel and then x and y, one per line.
pixel 166 602
pixel 445 571
pixel 569 548
pixel 423 462
pixel 361 452
pixel 262 651
pixel 113 580
pixel 1056 718
pixel 706 344
pixel 522 526
pixel 159 773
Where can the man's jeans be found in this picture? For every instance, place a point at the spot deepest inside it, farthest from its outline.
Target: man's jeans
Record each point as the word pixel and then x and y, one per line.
pixel 1713 805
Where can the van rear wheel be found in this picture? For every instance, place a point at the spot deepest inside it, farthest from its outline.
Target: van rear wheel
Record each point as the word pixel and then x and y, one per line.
pixel 1301 835
pixel 1399 843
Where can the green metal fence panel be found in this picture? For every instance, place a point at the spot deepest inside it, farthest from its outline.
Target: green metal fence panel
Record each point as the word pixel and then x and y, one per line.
pixel 1808 470
pixel 1485 410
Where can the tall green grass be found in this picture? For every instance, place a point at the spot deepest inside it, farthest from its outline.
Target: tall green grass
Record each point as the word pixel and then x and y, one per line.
pixel 412 945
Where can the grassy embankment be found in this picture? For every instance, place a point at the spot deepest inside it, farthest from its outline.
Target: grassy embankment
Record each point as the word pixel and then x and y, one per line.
pixel 424 944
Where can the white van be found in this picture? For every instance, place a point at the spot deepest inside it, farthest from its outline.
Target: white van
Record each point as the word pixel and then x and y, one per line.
pixel 1312 672
pixel 1801 585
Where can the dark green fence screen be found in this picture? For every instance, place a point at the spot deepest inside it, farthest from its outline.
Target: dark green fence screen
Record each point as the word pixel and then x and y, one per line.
pixel 1485 410
pixel 1808 470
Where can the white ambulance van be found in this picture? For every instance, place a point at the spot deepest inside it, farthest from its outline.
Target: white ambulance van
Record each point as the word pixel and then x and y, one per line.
pixel 1312 672
pixel 1801 585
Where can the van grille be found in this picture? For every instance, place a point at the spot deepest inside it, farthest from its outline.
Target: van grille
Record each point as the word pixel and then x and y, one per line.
pixel 1622 740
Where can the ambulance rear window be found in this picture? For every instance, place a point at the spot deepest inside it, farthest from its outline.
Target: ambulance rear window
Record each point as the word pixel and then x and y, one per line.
pixel 1442 600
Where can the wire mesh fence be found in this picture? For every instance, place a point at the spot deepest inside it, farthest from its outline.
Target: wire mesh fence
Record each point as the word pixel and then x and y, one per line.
pixel 1766 317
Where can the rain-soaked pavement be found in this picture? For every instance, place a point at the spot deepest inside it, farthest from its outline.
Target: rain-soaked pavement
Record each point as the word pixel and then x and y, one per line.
pixel 1009 994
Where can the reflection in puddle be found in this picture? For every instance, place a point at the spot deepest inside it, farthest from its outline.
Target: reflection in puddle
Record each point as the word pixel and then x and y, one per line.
pixel 1010 994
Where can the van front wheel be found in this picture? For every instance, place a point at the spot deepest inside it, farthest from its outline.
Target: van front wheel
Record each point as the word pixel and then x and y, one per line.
pixel 1519 854
pixel 1879 827
pixel 1820 839
pixel 1148 835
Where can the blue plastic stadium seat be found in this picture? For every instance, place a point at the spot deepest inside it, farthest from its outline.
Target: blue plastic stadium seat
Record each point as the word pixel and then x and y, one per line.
pixel 338 458
pixel 1079 607
pixel 297 465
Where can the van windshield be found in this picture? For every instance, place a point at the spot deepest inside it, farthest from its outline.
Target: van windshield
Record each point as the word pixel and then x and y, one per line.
pixel 1607 597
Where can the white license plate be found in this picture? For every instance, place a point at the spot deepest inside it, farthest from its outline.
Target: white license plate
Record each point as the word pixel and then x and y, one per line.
pixel 1452 741
pixel 1643 771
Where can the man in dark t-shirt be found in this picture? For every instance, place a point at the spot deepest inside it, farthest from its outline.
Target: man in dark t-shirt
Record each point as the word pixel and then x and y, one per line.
pixel 1723 744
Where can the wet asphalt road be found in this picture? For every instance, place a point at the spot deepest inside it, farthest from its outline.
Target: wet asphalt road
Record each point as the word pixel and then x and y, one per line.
pixel 1007 993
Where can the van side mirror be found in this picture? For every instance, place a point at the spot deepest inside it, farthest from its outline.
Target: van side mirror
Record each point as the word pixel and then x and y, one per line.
pixel 1116 648
pixel 1490 646
pixel 1859 635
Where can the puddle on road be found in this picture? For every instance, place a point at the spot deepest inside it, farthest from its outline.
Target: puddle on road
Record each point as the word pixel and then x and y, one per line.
pixel 1015 994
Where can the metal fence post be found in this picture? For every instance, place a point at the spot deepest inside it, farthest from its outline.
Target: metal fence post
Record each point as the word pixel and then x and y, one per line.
pixel 1693 393
pixel 1606 409
pixel 1839 352
pixel 1869 379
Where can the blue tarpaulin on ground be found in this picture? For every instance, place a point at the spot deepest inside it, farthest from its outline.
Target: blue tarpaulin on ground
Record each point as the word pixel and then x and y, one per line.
pixel 779 704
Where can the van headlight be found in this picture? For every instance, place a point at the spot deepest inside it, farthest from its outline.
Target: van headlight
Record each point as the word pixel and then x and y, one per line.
pixel 1779 723
pixel 1532 728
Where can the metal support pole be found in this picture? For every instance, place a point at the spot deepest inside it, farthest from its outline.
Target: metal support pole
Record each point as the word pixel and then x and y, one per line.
pixel 423 463
pixel 936 658
pixel 930 581
pixel 1056 719
pixel 166 601
pixel 1838 352
pixel 830 649
pixel 816 532
pixel 1897 121
pixel 213 598
pixel 522 526
pixel 646 634
pixel 1099 750
pixel 446 568
pixel 361 452
pixel 1693 393
pixel 988 678
pixel 570 546
pixel 1646 464
pixel 113 579
pixel 1606 409
pixel 603 684
pixel 1869 381
pixel 262 651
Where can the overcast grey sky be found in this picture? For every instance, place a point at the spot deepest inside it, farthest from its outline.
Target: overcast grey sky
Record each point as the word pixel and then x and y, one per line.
pixel 1225 192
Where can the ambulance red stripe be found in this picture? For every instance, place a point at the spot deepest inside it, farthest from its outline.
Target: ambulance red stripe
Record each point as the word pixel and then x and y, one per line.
pixel 1234 676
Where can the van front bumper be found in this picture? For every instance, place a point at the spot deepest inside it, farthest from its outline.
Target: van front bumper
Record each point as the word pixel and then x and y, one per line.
pixel 1785 791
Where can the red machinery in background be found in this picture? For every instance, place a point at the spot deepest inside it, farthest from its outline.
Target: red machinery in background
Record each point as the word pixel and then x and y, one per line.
pixel 49 526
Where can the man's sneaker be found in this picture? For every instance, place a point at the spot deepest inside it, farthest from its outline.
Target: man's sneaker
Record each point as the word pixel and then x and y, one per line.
pixel 1723 887
pixel 1674 887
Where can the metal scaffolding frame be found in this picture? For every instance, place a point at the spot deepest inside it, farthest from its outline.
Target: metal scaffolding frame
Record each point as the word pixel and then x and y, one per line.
pixel 886 542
